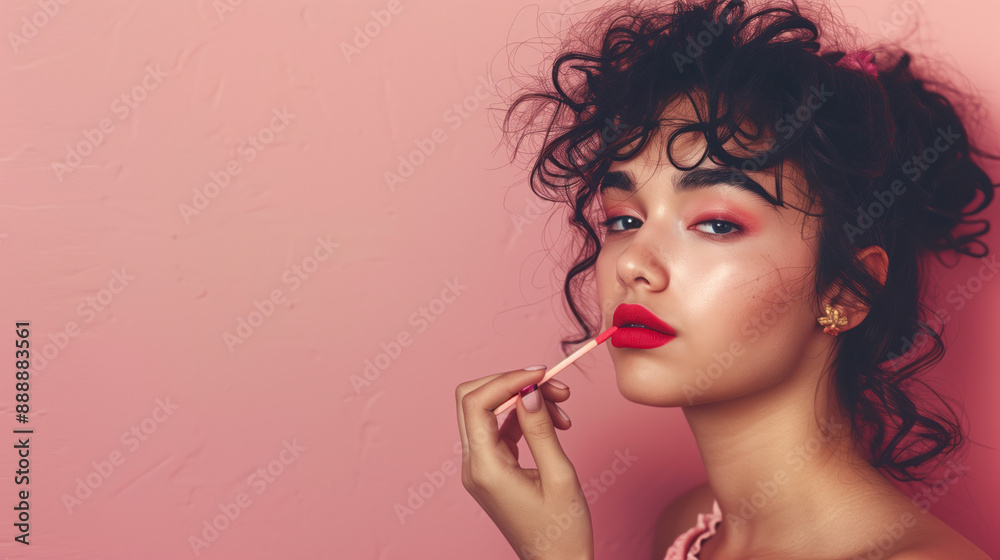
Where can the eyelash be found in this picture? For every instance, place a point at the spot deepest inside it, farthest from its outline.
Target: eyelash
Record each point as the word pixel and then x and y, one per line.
pixel 738 230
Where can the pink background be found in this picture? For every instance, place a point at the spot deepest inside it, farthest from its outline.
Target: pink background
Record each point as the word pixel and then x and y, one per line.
pixel 149 425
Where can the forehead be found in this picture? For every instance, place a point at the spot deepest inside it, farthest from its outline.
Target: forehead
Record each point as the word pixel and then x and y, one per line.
pixel 689 150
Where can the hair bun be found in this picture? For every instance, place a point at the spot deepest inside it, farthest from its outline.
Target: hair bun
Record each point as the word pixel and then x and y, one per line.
pixel 934 151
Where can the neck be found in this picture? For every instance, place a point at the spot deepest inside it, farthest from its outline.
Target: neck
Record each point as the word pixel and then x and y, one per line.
pixel 773 463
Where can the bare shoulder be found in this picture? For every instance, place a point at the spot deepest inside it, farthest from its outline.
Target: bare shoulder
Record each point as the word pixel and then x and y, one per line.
pixel 970 552
pixel 933 539
pixel 679 516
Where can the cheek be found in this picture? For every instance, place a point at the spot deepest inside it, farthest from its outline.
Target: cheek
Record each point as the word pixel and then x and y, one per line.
pixel 606 277
pixel 750 325
pixel 770 301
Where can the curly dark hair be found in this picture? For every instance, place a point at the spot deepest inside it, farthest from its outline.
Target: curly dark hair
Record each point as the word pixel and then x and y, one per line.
pixel 885 155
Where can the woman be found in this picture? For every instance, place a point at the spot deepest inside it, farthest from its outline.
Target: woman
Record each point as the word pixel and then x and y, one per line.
pixel 755 201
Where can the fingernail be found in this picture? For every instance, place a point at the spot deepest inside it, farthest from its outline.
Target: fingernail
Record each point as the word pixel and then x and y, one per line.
pixel 534 368
pixel 532 399
pixel 557 384
pixel 562 413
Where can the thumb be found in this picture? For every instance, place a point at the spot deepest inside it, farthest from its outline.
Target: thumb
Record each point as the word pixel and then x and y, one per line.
pixel 536 425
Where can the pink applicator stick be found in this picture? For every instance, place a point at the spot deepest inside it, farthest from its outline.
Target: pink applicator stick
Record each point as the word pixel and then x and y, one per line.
pixel 561 365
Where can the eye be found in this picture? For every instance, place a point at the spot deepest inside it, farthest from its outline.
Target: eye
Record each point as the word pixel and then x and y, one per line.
pixel 716 228
pixel 609 224
pixel 722 228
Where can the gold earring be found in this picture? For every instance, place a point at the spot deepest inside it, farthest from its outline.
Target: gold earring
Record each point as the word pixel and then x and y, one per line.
pixel 833 321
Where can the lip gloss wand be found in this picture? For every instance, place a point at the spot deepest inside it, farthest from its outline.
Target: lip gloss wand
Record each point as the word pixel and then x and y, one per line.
pixel 561 365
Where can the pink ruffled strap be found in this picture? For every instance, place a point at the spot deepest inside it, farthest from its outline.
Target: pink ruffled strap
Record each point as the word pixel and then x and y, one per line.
pixel 688 544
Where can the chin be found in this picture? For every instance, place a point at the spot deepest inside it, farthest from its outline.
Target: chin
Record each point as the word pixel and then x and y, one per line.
pixel 650 388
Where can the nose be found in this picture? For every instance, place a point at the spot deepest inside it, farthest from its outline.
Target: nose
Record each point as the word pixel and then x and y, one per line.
pixel 642 264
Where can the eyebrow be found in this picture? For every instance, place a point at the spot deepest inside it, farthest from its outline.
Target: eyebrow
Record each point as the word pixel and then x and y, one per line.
pixel 694 179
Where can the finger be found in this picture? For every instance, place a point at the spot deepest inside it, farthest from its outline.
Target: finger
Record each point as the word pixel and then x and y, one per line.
pixel 559 417
pixel 510 433
pixel 554 391
pixel 482 432
pixel 460 392
pixel 554 467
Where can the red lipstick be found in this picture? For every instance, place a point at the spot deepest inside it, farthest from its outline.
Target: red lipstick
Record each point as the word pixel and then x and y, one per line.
pixel 639 328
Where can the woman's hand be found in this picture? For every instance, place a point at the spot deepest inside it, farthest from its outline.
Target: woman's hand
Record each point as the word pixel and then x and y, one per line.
pixel 542 512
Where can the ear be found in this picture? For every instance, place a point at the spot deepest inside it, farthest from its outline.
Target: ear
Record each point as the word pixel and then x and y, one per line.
pixel 876 261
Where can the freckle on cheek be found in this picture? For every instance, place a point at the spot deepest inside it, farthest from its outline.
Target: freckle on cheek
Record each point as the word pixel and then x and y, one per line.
pixel 759 302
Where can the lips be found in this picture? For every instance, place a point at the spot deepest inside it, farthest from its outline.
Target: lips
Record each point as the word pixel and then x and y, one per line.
pixel 639 328
pixel 631 314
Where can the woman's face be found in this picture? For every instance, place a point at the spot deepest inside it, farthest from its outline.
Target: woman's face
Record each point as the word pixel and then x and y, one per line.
pixel 732 274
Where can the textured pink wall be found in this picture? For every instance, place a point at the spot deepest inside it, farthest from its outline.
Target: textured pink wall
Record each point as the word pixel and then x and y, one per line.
pixel 197 223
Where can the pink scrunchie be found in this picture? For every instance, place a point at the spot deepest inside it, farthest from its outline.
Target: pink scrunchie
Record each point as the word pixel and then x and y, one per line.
pixel 860 60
